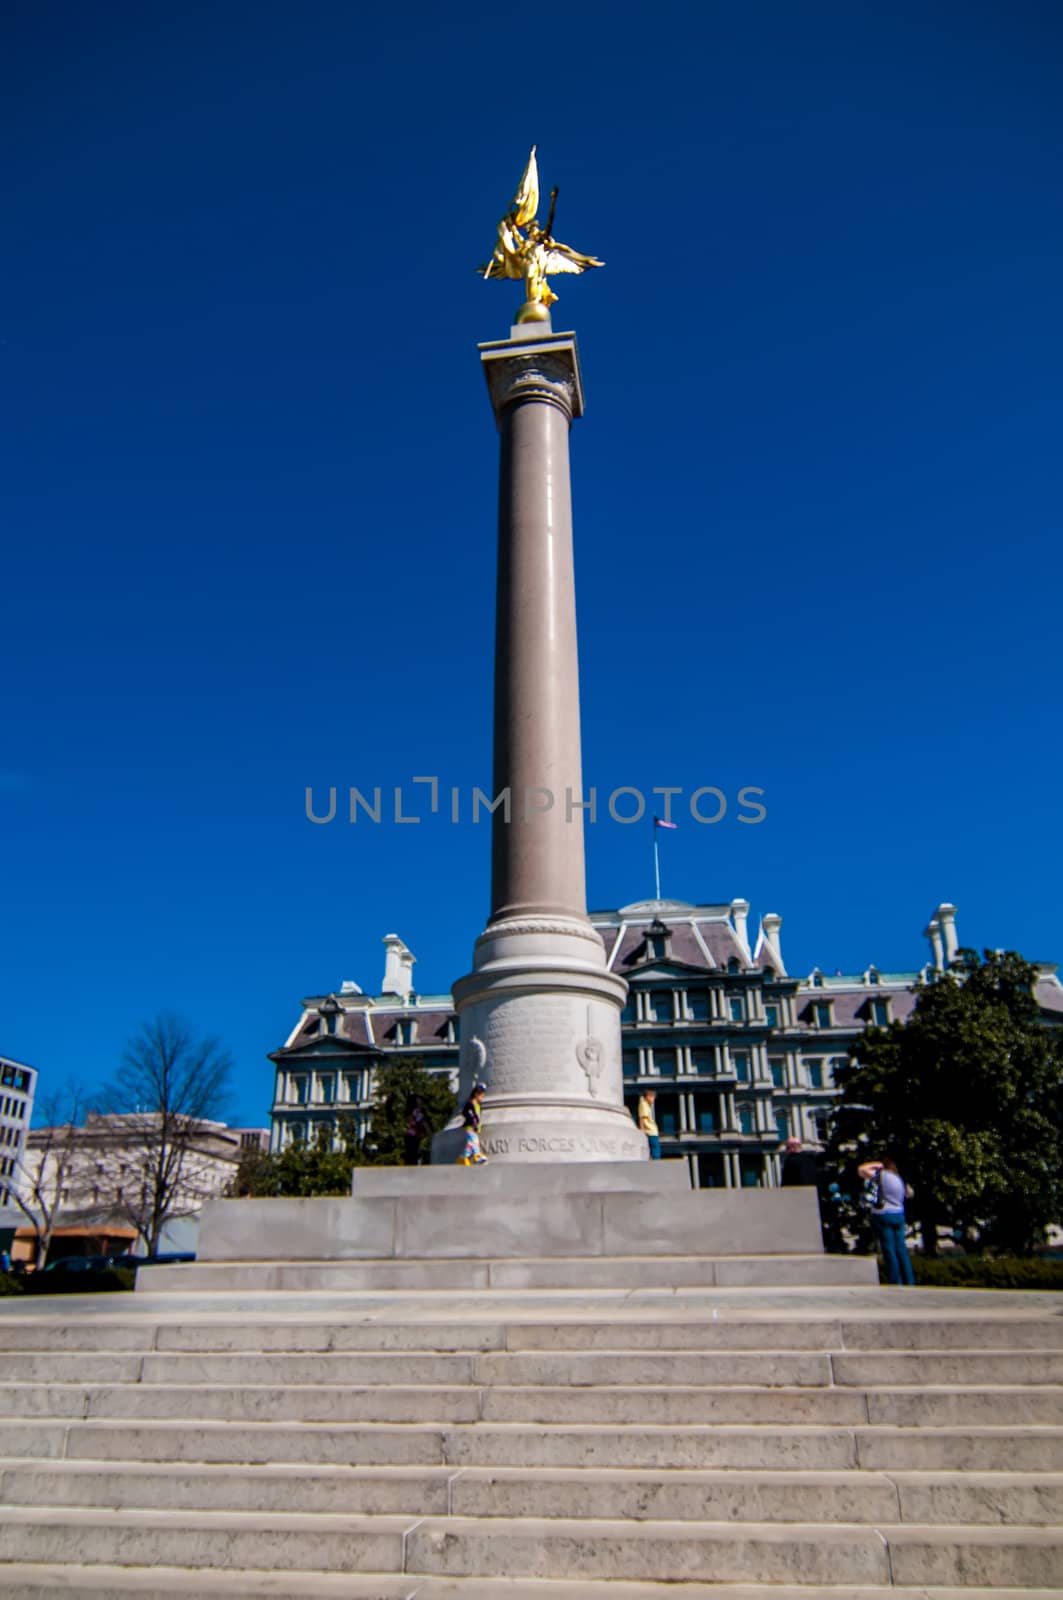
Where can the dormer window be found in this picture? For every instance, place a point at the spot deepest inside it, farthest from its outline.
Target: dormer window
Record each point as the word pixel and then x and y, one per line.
pixel 733 966
pixel 823 1015
pixel 658 941
pixel 817 979
pixel 880 1013
pixel 872 975
pixel 330 1011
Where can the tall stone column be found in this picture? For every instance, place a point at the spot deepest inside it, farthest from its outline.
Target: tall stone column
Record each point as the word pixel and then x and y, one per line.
pixel 539 1013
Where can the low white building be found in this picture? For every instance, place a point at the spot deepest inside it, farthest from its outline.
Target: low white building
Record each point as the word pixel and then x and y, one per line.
pixel 95 1181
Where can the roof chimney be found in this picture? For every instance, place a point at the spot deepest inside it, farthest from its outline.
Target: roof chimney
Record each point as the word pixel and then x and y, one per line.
pixel 768 943
pixel 398 967
pixel 932 931
pixel 739 917
pixel 946 916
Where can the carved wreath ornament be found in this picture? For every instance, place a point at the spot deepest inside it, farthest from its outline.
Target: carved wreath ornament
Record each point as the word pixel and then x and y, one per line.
pixel 590 1053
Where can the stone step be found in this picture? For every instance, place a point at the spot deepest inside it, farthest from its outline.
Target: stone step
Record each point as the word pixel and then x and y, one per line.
pixel 690 1332
pixel 1031 1499
pixel 681 1447
pixel 265 1331
pixel 515 1272
pixel 315 1543
pixel 964 1367
pixel 952 1369
pixel 652 1403
pixel 24 1581
pixel 244 1403
pixel 728 1553
pixel 457 1547
pixel 533 1548
pixel 601 1404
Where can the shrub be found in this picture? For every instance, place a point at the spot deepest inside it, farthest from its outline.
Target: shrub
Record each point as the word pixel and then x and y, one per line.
pixel 987 1272
pixel 107 1281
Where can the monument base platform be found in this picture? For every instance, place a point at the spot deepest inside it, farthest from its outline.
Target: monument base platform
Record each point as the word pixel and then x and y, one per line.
pixel 622 1209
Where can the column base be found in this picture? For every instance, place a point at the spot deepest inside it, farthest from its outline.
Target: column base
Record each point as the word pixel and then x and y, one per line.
pixel 540 1026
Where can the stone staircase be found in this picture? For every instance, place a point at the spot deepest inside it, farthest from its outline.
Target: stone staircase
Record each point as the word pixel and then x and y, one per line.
pixel 553 1428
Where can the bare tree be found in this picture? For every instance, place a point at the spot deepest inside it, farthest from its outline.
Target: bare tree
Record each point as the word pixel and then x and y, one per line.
pixel 163 1157
pixel 44 1169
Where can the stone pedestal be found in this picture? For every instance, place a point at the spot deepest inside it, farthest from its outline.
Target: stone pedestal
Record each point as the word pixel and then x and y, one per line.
pixel 539 1013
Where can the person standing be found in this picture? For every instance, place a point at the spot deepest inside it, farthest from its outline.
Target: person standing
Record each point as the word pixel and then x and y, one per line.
pixel 416 1131
pixel 648 1122
pixel 800 1169
pixel 888 1220
pixel 471 1154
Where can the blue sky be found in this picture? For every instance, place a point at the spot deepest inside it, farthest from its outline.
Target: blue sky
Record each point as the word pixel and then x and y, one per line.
pixel 250 480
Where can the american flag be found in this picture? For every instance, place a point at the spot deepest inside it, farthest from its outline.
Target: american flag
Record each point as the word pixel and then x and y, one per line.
pixel 658 822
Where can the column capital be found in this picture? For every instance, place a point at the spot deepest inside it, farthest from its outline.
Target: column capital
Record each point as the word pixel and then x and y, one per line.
pixel 543 368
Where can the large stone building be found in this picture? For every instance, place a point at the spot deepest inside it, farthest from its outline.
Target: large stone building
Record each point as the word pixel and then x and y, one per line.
pixel 742 1054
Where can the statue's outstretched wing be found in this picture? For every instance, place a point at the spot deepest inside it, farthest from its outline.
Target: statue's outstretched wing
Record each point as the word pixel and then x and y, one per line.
pixel 562 258
pixel 525 202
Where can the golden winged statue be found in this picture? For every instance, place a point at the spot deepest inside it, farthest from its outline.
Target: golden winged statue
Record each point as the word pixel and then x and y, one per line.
pixel 525 250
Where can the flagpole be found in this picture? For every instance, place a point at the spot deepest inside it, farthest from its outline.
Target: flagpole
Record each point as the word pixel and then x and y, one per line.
pixel 656 862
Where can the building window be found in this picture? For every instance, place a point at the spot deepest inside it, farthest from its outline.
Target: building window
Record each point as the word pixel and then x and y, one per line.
pixel 629 1012
pixel 782 1124
pixel 880 1011
pixel 771 1016
pixel 872 975
pixel 328 1089
pixel 662 1006
pixel 706 1113
pixel 666 1114
pixel 815 1074
pixel 746 1119
pixel 698 1005
pixel 817 979
pixel 711 1174
pixel 740 1061
pixel 733 966
pixel 736 1006
pixel 751 1171
pixel 703 1062
pixel 778 1073
pixel 664 1063
pixel 631 1065
pixel 823 1019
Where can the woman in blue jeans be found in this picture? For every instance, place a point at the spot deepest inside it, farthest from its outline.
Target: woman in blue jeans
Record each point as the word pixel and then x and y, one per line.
pixel 887 1217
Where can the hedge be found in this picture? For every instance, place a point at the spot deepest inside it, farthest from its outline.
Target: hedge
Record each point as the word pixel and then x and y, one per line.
pixel 987 1272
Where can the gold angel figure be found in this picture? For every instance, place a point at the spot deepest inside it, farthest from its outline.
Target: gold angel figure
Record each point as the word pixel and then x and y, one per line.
pixel 525 250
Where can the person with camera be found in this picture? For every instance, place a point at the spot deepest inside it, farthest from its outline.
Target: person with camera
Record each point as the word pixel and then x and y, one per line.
pixel 888 1195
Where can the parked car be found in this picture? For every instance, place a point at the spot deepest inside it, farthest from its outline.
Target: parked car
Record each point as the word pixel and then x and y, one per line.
pixel 166 1258
pixel 81 1264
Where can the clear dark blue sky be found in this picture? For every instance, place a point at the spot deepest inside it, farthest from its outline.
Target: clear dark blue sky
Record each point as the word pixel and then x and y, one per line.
pixel 250 469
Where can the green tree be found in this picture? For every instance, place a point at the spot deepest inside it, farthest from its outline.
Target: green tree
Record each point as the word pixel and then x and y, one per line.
pixel 968 1096
pixel 394 1086
pixel 321 1167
